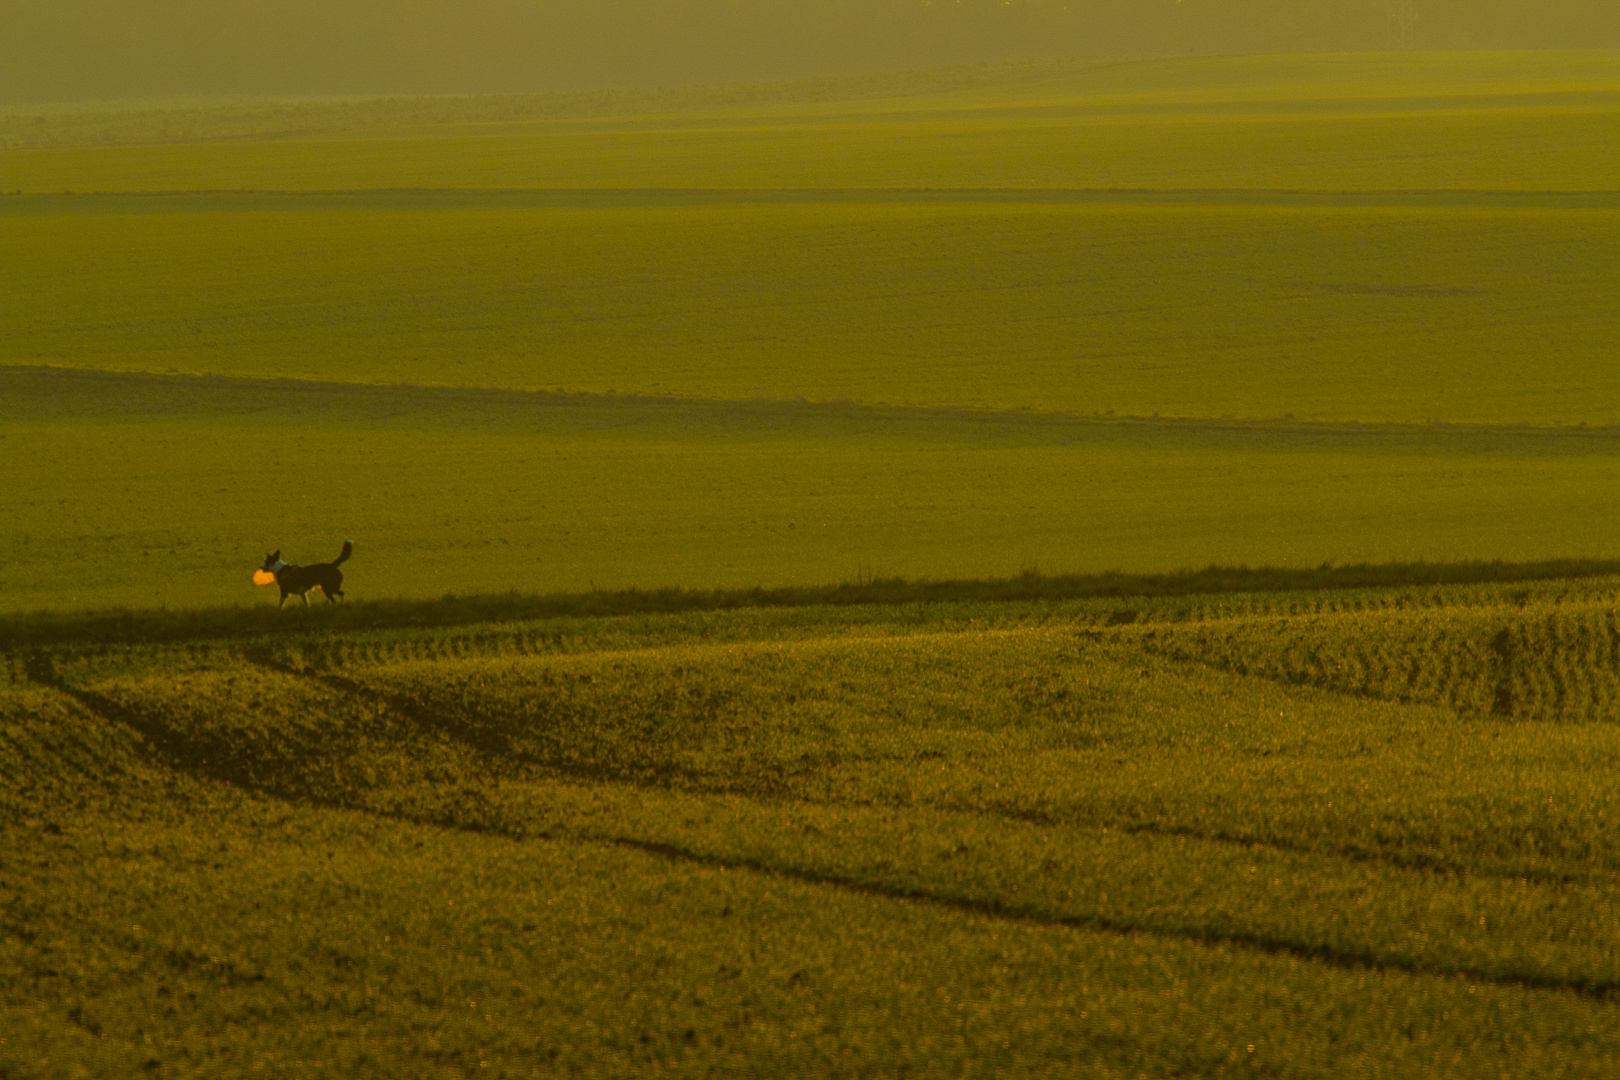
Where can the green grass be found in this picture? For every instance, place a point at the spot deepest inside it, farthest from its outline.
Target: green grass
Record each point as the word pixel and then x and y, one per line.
pixel 1400 146
pixel 599 774
pixel 1189 238
pixel 1107 599
pixel 145 492
pixel 715 842
pixel 1547 663
pixel 1209 83
pixel 1435 121
pixel 1422 313
pixel 950 325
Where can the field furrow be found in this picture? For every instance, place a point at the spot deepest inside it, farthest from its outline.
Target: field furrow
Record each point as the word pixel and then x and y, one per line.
pixel 1062 773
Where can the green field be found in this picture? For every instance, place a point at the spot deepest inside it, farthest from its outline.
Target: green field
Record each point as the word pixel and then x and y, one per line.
pixel 1144 316
pixel 1176 307
pixel 1427 230
pixel 600 771
pixel 141 492
pixel 1331 833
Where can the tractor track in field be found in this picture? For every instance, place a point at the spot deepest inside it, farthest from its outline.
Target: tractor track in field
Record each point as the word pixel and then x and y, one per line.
pixel 39 670
pixel 1606 989
pixel 36 394
pixel 500 749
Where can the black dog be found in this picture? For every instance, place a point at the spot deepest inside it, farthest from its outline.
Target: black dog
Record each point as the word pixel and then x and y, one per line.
pixel 298 580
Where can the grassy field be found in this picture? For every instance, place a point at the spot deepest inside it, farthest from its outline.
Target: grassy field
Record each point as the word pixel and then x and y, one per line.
pixel 1421 312
pixel 148 491
pixel 1190 238
pixel 598 772
pixel 1338 123
pixel 1270 310
pixel 1328 833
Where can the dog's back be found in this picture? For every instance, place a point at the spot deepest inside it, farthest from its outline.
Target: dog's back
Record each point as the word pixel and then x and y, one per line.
pixel 298 580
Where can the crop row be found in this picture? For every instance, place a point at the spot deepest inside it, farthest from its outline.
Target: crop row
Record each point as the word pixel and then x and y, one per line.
pixel 1538 662
pixel 1044 770
pixel 136 940
pixel 568 635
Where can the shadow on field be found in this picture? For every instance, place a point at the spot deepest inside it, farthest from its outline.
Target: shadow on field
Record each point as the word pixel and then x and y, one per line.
pixel 46 628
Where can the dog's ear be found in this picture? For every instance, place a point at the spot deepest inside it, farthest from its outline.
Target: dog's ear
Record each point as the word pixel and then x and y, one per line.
pixel 273 556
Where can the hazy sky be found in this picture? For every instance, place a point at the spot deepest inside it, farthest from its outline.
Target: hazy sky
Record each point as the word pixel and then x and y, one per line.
pixel 67 50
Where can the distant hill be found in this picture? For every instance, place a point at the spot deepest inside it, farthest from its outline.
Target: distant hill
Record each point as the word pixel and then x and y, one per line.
pixel 84 50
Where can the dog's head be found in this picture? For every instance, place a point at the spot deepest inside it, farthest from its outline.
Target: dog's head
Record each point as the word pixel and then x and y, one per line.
pixel 267 571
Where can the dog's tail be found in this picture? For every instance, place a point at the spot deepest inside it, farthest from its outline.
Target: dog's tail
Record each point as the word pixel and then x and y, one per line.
pixel 343 556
